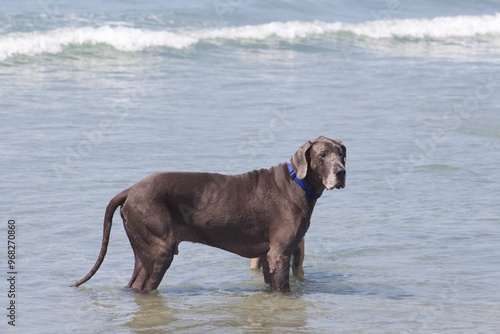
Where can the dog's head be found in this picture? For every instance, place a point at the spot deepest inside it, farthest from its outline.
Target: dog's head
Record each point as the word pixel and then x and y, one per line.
pixel 323 159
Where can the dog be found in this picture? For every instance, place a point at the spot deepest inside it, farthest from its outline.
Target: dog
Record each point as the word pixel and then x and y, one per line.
pixel 263 213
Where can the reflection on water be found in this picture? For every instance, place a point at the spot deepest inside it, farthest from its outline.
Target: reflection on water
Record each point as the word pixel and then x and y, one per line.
pixel 225 309
pixel 220 311
pixel 152 313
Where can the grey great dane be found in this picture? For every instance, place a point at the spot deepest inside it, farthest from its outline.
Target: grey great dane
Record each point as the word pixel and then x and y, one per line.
pixel 263 213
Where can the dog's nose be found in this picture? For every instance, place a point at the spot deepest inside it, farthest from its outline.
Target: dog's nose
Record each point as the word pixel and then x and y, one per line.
pixel 339 171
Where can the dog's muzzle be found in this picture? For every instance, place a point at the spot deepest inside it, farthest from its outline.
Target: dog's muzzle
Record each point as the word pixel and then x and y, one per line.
pixel 336 180
pixel 340 178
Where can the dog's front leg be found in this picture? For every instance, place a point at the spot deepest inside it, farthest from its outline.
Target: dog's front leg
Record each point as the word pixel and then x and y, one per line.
pixel 279 271
pixel 297 260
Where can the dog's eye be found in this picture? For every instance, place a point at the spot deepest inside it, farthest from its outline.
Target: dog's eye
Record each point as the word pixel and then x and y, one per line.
pixel 322 154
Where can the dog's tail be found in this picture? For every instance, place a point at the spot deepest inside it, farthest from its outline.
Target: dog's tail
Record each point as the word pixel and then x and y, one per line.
pixel 117 201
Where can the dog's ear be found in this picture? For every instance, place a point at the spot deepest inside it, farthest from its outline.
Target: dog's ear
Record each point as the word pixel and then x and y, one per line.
pixel 345 154
pixel 344 151
pixel 301 160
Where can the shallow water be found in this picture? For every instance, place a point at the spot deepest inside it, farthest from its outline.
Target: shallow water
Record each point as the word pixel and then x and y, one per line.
pixel 409 246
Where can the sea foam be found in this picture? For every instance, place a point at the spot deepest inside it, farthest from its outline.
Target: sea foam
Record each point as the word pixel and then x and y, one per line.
pixel 128 39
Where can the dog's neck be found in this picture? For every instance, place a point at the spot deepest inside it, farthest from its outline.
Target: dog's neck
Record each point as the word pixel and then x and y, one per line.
pixel 315 183
pixel 311 184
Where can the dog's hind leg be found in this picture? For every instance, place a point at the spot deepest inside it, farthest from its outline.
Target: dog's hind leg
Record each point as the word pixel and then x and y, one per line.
pixel 150 265
pixel 154 245
pixel 265 269
pixel 139 275
pixel 255 263
pixel 159 265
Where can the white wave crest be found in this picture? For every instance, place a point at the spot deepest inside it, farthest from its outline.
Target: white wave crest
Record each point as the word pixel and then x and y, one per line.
pixel 121 38
pixel 133 39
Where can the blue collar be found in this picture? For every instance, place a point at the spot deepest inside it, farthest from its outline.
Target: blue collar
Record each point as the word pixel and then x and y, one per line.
pixel 311 193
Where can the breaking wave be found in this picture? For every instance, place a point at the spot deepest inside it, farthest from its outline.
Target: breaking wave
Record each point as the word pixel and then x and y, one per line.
pixel 128 39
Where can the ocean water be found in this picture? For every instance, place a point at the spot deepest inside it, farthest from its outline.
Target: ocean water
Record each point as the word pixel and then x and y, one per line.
pixel 96 95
